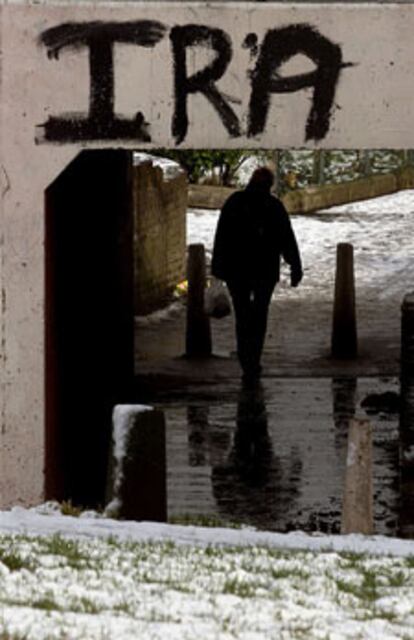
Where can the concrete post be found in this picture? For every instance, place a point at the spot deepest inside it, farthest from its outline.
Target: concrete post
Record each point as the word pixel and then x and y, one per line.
pixel 139 477
pixel 407 337
pixel 406 520
pixel 198 333
pixel 357 509
pixel 344 329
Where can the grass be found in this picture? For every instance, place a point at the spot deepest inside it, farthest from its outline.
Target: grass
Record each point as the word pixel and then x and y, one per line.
pixel 224 588
pixel 68 549
pixel 239 588
pixel 14 561
pixel 68 509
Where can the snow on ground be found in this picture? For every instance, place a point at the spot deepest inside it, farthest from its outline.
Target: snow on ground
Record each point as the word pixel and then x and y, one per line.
pixel 94 578
pixel 102 579
pixel 381 230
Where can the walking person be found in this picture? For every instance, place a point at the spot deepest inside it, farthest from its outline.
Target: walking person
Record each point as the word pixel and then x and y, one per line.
pixel 253 233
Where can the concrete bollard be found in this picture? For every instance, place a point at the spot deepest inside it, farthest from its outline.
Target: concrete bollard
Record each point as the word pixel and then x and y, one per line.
pixel 406 518
pixel 139 477
pixel 344 330
pixel 357 508
pixel 407 336
pixel 198 332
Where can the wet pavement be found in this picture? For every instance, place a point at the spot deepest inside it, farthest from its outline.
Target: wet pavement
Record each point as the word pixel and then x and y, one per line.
pixel 274 457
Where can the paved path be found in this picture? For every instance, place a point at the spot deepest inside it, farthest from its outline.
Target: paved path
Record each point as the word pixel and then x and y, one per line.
pixel 275 459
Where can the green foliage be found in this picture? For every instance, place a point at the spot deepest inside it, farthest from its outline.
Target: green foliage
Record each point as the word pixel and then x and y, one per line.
pixel 239 588
pixel 47 603
pixel 14 562
pixel 68 509
pixel 67 548
pixel 214 166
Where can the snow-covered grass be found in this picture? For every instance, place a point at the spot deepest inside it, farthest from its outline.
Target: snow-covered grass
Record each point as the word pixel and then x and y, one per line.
pixel 54 587
pixel 94 578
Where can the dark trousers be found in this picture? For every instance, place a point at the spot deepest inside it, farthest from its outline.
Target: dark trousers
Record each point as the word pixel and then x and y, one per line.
pixel 251 305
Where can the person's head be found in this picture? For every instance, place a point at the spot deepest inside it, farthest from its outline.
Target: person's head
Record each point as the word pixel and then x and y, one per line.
pixel 262 178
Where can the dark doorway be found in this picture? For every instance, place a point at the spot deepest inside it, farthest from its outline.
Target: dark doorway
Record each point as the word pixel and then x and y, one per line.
pixel 89 319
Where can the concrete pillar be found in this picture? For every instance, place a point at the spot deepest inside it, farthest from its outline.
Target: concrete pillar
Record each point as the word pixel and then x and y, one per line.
pixel 139 468
pixel 344 329
pixel 198 334
pixel 406 521
pixel 357 509
pixel 407 336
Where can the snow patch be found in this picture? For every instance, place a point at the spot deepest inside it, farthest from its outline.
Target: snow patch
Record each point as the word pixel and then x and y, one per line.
pixel 159 316
pixel 26 522
pixel 352 455
pixel 123 419
pixel 169 168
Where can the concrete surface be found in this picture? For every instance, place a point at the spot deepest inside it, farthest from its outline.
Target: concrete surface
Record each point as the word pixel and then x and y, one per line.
pixel 274 458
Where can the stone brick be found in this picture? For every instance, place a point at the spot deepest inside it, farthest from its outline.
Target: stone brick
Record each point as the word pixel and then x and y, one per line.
pixel 160 235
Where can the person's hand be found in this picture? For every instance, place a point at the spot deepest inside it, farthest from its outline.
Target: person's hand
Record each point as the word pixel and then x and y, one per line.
pixel 295 277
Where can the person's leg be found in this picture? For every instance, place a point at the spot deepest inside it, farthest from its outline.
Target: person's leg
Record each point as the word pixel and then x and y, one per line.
pixel 262 294
pixel 241 294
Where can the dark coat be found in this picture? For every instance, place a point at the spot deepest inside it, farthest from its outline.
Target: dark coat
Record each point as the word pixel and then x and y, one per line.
pixel 253 232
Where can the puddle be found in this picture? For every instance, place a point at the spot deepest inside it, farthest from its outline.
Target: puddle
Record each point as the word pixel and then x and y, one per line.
pixel 274 457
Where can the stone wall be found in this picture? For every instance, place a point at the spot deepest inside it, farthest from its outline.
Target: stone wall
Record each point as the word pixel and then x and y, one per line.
pixel 315 197
pixel 329 195
pixel 159 235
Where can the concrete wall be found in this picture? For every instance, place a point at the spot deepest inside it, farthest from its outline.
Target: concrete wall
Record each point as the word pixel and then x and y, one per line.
pixel 324 196
pixel 159 235
pixel 316 197
pixel 94 75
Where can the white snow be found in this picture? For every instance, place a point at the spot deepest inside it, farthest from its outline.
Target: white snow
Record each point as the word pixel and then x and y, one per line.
pixel 351 455
pixel 30 522
pixel 123 417
pixel 157 317
pixel 169 168
pixel 103 579
pixel 409 454
pixel 381 231
pixel 175 582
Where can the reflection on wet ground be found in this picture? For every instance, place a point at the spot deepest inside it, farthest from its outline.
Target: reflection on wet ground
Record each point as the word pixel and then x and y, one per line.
pixel 273 457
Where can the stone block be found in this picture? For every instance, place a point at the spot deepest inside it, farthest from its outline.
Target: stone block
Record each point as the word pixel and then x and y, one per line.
pixel 139 477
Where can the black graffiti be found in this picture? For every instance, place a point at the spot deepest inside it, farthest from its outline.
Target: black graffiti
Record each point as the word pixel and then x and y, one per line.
pixel 277 47
pixel 280 45
pixel 99 37
pixel 203 81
